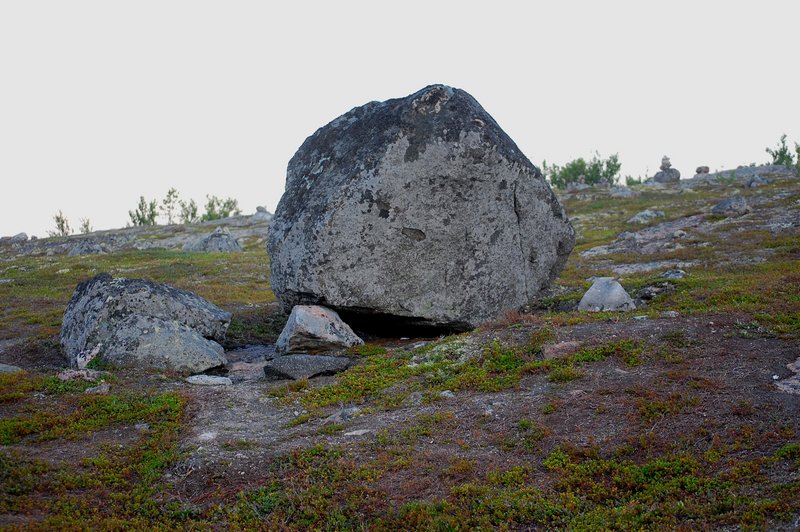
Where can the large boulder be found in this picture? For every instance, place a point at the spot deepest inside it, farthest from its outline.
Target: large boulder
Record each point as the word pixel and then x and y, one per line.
pixel 314 329
pixel 419 210
pixel 134 322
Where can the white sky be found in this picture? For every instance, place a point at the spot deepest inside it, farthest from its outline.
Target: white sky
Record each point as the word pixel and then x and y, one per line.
pixel 104 101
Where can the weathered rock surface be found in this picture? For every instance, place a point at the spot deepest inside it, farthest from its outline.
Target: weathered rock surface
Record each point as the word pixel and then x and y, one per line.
pixel 8 368
pixel 645 216
pixel 142 323
pixel 86 247
pixel 606 294
pixel 667 175
pixel 623 192
pixel 314 329
pixel 220 240
pixel 209 380
pixel 734 206
pixel 420 208
pixel 304 366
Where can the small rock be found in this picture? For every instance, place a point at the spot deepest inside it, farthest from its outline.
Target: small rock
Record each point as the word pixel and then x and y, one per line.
pixel 734 206
pixel 262 214
pixel 315 329
pixel 560 349
pixel 674 274
pixel 413 400
pixel 89 375
pixel 670 314
pixel 447 394
pixel 19 238
pixel 606 294
pixel 640 318
pixel 142 427
pixel 645 216
pixel 757 181
pixel 679 234
pixel 344 415
pixel 7 368
pixel 101 389
pixel 652 291
pixel 702 170
pixel 667 175
pixel 622 192
pixel 209 380
pixel 359 432
pixel 300 366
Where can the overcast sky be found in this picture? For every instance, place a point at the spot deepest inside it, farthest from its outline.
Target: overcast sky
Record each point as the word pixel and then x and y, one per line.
pixel 101 102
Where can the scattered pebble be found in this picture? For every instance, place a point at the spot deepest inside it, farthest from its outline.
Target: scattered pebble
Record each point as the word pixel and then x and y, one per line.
pixel 670 314
pixel 209 380
pixel 359 432
pixel 207 436
pixel 65 270
pixel 100 389
pixel 447 394
pixel 640 318
pixel 81 374
pixel 674 274
pixel 775 377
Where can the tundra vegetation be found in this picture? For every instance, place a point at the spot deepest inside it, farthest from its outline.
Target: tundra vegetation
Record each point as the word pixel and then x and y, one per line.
pixel 650 422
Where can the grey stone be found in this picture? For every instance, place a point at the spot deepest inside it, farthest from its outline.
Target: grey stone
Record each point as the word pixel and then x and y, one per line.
pixel 757 181
pixel 669 176
pixel 100 389
pixel 733 206
pixel 138 322
pixel 19 238
pixel 702 170
pixel 89 375
pixel 447 394
pixel 645 216
pixel 209 380
pixel 86 247
pixel 304 366
pixel 262 214
pixel 606 294
pixel 623 192
pixel 220 240
pixel 344 415
pixel 381 209
pixel 7 368
pixel 674 274
pixel 314 329
pixel 665 163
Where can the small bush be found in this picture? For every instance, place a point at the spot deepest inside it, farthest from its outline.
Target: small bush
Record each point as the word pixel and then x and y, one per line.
pixel 592 171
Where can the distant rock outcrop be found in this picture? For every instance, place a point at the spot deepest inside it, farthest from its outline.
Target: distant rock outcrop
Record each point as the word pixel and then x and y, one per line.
pixel 419 208
pixel 218 241
pixel 667 175
pixel 134 322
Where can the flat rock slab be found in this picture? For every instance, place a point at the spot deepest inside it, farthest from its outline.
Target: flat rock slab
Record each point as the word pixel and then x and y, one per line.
pixel 209 380
pixel 304 366
pixel 7 368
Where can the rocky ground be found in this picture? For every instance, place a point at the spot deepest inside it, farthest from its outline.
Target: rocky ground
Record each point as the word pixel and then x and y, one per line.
pixel 681 414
